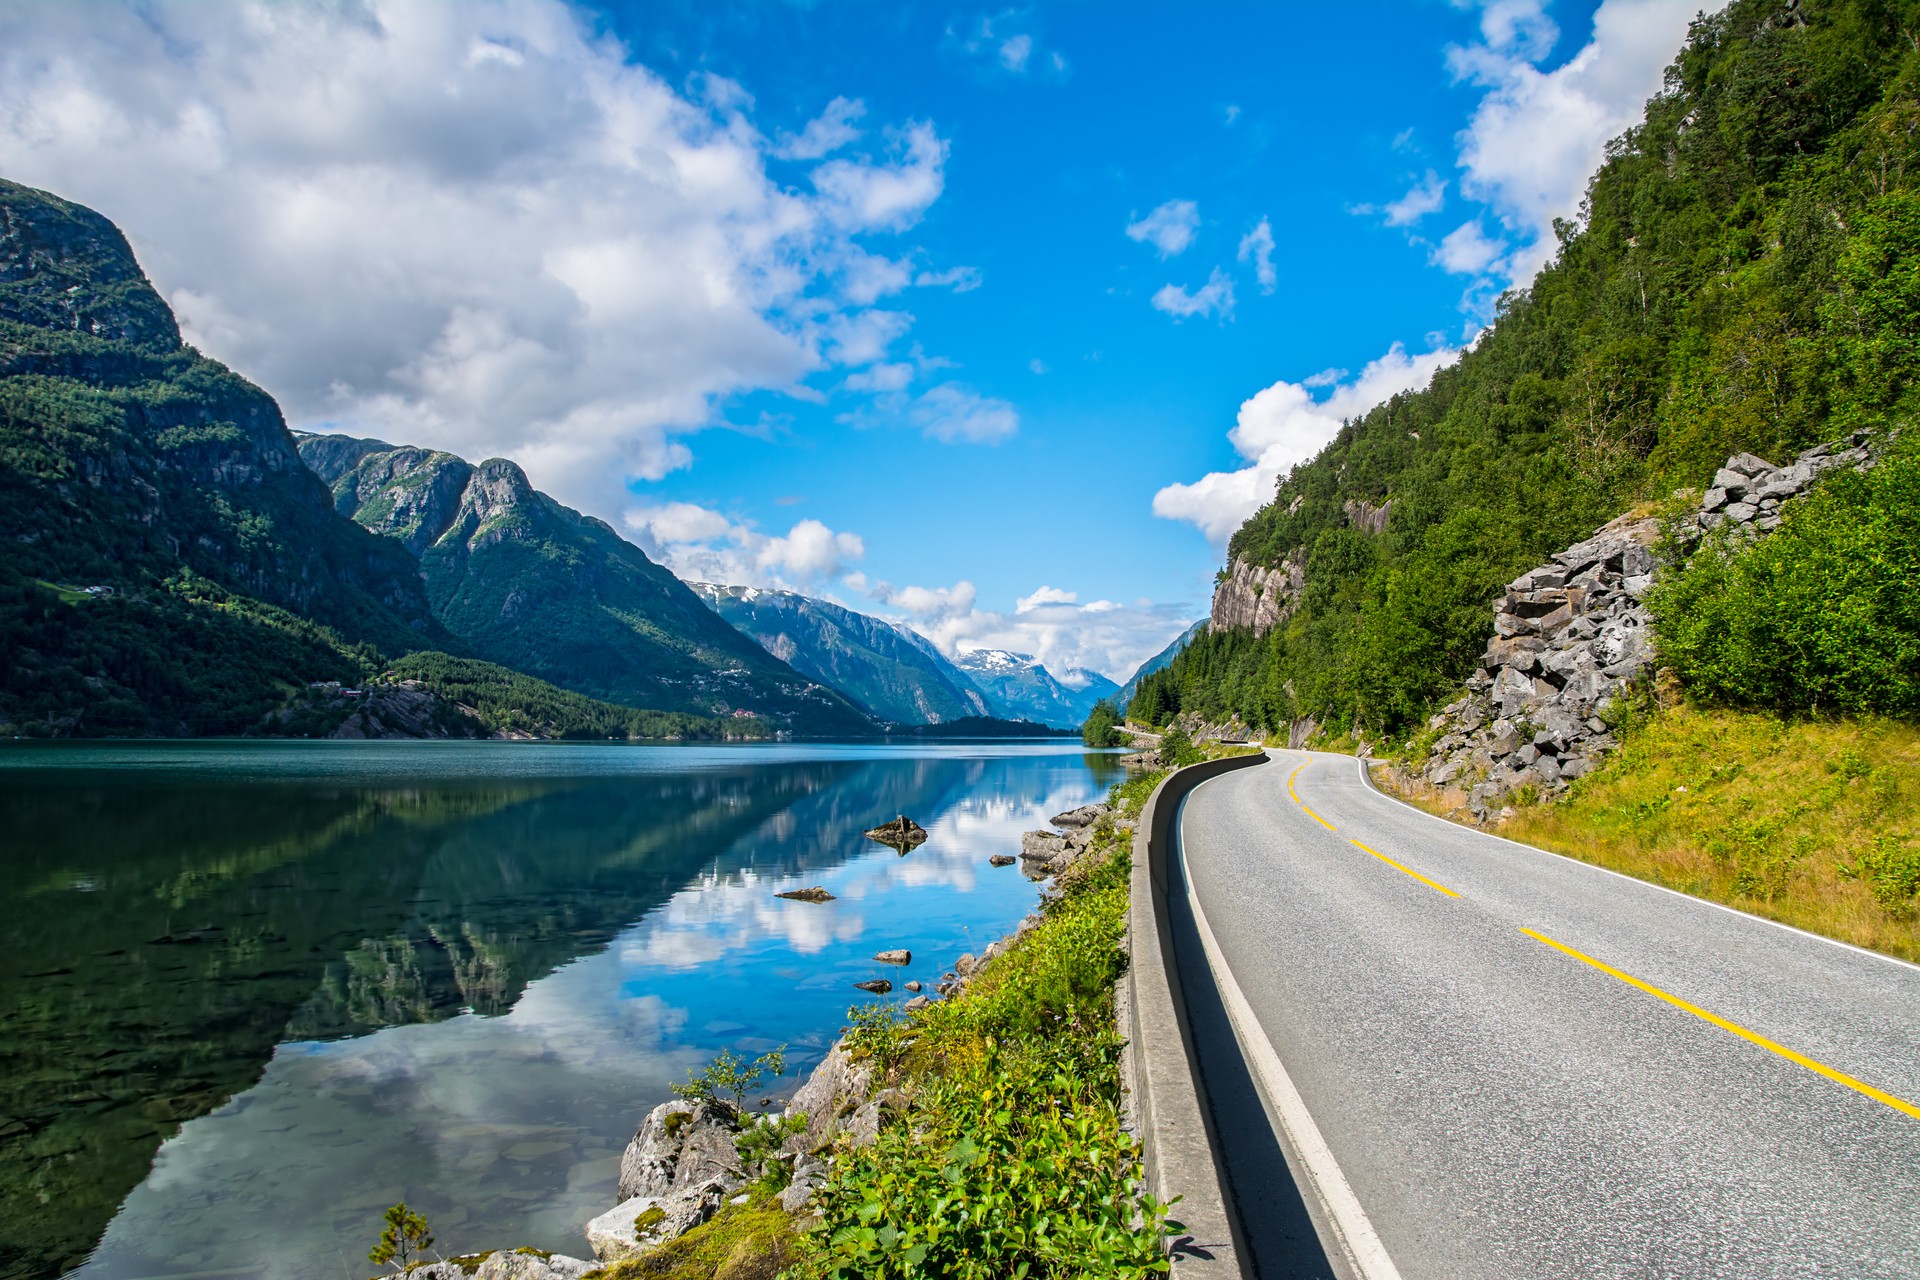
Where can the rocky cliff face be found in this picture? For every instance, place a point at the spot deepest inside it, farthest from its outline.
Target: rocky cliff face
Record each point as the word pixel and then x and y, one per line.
pixel 1255 598
pixel 1571 636
pixel 534 585
pixel 869 660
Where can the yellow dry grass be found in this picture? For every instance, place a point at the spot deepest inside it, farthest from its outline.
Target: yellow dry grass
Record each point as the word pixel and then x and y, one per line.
pixel 1773 817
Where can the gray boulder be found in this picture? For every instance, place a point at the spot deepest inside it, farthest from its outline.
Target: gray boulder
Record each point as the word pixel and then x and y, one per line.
pixel 505 1264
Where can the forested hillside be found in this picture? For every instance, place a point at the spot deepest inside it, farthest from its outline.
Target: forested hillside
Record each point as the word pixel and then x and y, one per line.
pixel 1745 276
pixel 167 564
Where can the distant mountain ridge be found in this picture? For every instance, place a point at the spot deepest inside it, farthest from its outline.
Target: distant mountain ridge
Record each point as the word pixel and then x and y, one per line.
pixel 538 587
pixel 1158 662
pixel 1018 687
pixel 892 672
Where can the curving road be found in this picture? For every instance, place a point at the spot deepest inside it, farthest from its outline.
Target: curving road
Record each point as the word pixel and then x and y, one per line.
pixel 1459 1097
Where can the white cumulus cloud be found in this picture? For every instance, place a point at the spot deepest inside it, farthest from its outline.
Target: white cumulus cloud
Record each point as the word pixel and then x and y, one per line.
pixel 956 413
pixel 478 226
pixel 1537 136
pixel 1169 228
pixel 1467 250
pixel 703 545
pixel 1283 426
pixel 831 130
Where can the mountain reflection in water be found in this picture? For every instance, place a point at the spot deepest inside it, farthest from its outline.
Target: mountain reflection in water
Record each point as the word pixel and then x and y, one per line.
pixel 320 978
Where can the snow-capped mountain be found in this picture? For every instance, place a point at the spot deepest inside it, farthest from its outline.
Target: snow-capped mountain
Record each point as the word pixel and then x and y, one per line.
pixel 1018 687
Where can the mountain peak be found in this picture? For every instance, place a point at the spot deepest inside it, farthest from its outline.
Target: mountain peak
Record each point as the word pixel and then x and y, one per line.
pixel 63 266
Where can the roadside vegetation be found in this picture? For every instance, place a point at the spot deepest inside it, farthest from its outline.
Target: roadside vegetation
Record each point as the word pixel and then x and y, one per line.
pixel 1812 823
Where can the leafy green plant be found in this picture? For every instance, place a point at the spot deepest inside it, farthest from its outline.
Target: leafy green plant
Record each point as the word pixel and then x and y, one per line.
pixel 878 1031
pixel 1891 870
pixel 403 1240
pixel 729 1077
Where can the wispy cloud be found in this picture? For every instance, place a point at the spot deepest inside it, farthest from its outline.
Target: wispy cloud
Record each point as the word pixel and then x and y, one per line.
pixel 1214 298
pixel 1257 245
pixel 1169 228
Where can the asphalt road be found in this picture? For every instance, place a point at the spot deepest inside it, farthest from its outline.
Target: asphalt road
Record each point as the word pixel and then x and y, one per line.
pixel 1498 1107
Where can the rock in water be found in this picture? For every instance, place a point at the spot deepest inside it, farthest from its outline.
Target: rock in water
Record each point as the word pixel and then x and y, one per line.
pixel 901 956
pixel 913 986
pixel 1085 816
pixel 879 986
pixel 814 894
pixel 903 833
pixel 1001 860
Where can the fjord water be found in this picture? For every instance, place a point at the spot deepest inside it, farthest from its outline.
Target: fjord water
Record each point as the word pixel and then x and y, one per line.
pixel 251 994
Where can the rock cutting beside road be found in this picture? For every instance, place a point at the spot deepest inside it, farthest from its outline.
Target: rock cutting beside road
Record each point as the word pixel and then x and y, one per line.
pixel 1572 636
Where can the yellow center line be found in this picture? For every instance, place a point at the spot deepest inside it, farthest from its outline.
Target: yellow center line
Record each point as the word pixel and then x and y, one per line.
pixel 1409 870
pixel 1838 1077
pixel 1303 804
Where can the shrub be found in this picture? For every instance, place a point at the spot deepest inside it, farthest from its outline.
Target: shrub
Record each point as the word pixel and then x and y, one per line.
pixel 729 1077
pixel 1824 615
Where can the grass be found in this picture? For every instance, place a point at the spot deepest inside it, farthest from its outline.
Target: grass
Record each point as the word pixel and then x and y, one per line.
pixel 1811 823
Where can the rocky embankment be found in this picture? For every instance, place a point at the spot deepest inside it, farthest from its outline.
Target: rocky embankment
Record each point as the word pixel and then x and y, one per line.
pixel 1572 636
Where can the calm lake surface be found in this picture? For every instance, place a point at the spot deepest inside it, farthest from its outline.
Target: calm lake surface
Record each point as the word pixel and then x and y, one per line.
pixel 251 994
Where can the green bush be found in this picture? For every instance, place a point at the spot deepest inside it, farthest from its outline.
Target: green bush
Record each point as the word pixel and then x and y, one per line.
pixel 1822 616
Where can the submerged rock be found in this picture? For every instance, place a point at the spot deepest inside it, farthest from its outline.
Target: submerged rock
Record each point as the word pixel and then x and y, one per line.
pixel 879 986
pixel 903 833
pixel 813 894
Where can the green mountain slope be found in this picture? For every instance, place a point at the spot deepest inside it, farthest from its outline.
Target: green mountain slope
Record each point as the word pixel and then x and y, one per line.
pixel 1746 276
pixel 863 657
pixel 131 464
pixel 536 586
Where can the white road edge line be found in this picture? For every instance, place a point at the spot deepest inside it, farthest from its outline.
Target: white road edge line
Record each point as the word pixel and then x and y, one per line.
pixel 1366 780
pixel 1357 1236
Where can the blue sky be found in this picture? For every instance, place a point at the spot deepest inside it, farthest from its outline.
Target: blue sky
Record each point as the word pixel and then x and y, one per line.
pixel 992 320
